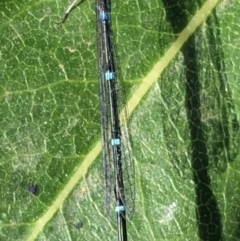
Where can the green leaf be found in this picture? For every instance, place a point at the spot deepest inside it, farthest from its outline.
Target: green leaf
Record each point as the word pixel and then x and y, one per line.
pixel 182 86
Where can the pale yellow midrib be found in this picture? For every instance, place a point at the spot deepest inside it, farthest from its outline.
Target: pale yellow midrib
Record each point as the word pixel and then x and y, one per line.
pixel 144 87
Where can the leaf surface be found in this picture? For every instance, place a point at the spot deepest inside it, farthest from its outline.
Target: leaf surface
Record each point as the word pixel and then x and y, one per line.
pixel 184 131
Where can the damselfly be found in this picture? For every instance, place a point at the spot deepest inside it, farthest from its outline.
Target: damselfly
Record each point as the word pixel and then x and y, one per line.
pixel 118 163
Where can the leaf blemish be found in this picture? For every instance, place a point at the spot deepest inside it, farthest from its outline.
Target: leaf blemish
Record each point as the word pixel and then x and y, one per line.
pixel 33 189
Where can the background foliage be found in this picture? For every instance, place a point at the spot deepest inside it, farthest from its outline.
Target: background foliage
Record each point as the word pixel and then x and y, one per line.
pixel 185 131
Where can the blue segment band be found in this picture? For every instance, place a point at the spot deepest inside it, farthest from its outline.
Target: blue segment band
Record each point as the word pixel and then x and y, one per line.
pixel 120 209
pixel 103 15
pixel 110 75
pixel 116 142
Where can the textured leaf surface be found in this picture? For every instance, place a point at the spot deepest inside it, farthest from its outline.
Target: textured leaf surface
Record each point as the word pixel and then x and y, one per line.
pixel 184 132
